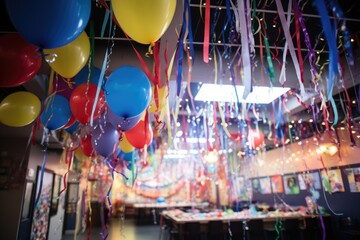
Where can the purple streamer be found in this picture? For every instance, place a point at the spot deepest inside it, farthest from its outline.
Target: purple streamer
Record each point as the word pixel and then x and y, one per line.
pixel 322 227
pixel 108 194
pixel 312 56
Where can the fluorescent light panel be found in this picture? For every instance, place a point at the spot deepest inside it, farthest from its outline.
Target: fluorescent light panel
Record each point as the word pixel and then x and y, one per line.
pixel 226 93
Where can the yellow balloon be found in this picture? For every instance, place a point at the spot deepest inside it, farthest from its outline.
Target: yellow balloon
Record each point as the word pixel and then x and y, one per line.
pixel 143 20
pixel 162 97
pixel 125 145
pixel 71 58
pixel 19 109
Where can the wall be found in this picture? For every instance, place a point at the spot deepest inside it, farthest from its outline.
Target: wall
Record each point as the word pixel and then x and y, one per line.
pixel 13 162
pixel 297 158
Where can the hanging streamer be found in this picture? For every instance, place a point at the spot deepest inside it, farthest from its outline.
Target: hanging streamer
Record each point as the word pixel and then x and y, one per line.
pixel 243 11
pixel 282 78
pixel 206 32
pixel 291 45
pixel 347 43
pixel 333 52
pixel 103 69
pixel 298 44
pixel 312 56
pixel 40 180
pixel 69 155
pixel 268 52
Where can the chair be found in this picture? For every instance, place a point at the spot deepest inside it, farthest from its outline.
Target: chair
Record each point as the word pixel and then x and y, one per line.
pixel 350 228
pixel 215 230
pixel 236 229
pixel 255 229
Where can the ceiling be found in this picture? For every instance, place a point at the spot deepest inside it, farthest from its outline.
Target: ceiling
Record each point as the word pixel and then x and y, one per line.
pixel 123 53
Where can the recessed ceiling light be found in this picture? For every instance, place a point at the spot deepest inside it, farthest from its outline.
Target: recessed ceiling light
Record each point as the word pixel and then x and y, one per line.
pixel 226 93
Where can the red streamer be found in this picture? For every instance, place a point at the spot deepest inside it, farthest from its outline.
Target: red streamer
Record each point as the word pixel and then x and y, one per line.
pixel 206 32
pixel 68 160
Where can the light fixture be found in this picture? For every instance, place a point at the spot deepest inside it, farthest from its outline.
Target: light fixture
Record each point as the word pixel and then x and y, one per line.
pixel 226 93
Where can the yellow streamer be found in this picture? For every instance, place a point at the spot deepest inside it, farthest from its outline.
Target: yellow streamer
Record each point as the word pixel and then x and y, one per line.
pixel 223 123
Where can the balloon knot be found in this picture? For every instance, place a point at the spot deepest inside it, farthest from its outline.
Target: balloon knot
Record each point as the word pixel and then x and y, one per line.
pixel 150 50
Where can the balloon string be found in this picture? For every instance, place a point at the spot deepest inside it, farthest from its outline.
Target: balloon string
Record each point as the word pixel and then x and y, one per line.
pixel 40 181
pixel 142 62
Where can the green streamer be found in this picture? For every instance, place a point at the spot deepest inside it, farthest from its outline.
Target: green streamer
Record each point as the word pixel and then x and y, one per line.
pixel 268 58
pixel 278 227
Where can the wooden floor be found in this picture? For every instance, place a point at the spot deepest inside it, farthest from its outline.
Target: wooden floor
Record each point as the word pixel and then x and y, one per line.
pixel 122 230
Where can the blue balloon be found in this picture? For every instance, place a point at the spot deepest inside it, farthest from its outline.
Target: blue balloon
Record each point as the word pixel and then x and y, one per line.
pixel 72 128
pixel 126 156
pixel 128 92
pixel 49 24
pixel 160 200
pixel 83 76
pixel 57 113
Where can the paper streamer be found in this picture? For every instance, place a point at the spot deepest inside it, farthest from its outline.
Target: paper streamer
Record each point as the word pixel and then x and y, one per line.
pixel 206 32
pixel 282 77
pixel 291 45
pixel 347 43
pixel 40 180
pixel 103 69
pixel 245 51
pixel 312 56
pixel 331 42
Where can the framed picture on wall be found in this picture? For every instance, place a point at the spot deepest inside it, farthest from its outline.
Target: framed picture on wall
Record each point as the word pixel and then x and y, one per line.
pixel 41 213
pixel 291 184
pixel 55 195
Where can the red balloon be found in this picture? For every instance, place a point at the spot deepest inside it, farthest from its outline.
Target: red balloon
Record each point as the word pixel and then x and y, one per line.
pixel 19 60
pixel 86 145
pixel 139 135
pixel 82 100
pixel 258 137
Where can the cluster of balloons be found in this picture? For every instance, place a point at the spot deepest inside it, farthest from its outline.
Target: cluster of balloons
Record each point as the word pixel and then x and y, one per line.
pixel 54 31
pixel 119 117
